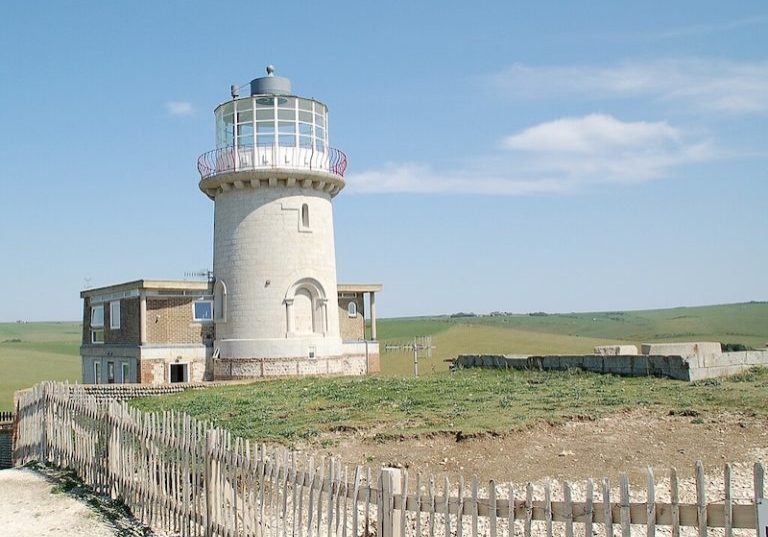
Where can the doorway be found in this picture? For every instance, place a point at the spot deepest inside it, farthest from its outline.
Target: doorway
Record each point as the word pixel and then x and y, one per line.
pixel 179 373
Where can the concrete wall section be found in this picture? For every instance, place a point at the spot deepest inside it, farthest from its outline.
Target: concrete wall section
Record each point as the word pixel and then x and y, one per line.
pixel 726 364
pixel 615 350
pixel 686 350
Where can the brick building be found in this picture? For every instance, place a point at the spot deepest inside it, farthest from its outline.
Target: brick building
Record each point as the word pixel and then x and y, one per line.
pixel 156 331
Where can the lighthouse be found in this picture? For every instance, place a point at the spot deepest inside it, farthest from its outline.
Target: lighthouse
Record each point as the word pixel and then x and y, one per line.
pixel 272 178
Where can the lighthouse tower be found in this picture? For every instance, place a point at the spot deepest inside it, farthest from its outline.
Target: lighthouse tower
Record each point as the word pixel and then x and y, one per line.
pixel 272 177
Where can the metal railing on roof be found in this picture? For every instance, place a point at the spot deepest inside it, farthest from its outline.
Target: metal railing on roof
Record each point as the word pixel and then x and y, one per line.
pixel 257 157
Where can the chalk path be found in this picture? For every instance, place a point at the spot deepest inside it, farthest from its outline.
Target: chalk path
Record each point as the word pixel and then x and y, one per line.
pixel 28 508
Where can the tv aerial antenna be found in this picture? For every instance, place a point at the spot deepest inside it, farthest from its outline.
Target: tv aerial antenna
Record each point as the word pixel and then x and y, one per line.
pixel 203 274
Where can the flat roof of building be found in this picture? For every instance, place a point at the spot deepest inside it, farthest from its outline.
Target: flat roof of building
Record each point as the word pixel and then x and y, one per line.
pixel 360 287
pixel 192 285
pixel 150 285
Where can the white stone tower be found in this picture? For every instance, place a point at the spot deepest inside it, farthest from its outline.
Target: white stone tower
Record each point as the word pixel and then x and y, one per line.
pixel 272 177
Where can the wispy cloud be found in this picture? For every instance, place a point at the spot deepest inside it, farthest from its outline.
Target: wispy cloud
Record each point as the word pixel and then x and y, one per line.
pixel 179 108
pixel 688 83
pixel 553 157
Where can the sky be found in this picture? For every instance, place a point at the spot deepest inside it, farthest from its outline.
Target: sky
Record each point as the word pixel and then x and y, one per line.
pixel 503 156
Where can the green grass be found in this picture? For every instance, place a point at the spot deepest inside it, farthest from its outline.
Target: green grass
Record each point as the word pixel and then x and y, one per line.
pixel 465 402
pixel 32 352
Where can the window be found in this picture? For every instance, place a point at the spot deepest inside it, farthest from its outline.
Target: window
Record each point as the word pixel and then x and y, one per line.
pixel 97 316
pixel 125 368
pixel 97 324
pixel 96 372
pixel 110 372
pixel 202 310
pixel 305 216
pixel 312 352
pixel 352 309
pixel 114 315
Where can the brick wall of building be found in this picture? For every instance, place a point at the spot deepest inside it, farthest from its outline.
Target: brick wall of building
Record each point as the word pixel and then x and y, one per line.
pixel 170 321
pixel 352 328
pixel 130 322
pixel 86 320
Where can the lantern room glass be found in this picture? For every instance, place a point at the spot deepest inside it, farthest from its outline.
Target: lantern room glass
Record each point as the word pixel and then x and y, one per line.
pixel 272 120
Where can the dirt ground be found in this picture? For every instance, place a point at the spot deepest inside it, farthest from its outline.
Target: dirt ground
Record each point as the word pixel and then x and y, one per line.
pixel 31 505
pixel 625 442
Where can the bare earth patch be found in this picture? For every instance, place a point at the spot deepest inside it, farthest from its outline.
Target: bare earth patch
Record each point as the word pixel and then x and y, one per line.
pixel 34 503
pixel 624 442
pixel 28 508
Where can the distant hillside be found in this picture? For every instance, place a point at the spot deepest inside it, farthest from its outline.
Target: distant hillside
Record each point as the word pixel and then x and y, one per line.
pixel 31 352
pixel 543 333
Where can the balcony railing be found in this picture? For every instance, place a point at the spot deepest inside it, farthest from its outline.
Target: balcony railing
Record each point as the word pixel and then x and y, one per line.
pixel 257 157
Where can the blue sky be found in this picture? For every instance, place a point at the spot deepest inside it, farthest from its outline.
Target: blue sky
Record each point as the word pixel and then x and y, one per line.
pixel 503 156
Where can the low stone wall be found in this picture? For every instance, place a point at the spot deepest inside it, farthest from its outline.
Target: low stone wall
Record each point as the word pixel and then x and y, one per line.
pixel 358 358
pixel 124 392
pixel 676 367
pixel 255 368
pixel 631 365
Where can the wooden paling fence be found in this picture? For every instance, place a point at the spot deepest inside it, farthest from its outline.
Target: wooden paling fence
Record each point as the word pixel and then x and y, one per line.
pixel 182 475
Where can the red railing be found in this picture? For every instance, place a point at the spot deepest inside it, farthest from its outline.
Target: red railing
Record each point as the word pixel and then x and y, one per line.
pixel 257 157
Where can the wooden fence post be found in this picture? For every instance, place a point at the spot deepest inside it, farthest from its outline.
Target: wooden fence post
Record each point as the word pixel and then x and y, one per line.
pixel 210 443
pixel 392 485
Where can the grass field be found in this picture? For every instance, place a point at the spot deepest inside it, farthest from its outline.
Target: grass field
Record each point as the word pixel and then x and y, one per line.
pixel 32 352
pixel 464 402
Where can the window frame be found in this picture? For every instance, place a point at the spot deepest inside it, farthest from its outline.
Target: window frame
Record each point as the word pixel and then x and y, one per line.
pixel 114 305
pixel 125 367
pixel 94 340
pixel 194 311
pixel 96 371
pixel 94 309
pixel 352 309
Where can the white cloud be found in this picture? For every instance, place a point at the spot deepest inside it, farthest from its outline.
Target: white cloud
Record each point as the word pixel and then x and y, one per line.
pixel 690 83
pixel 179 108
pixel 553 157
pixel 595 133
